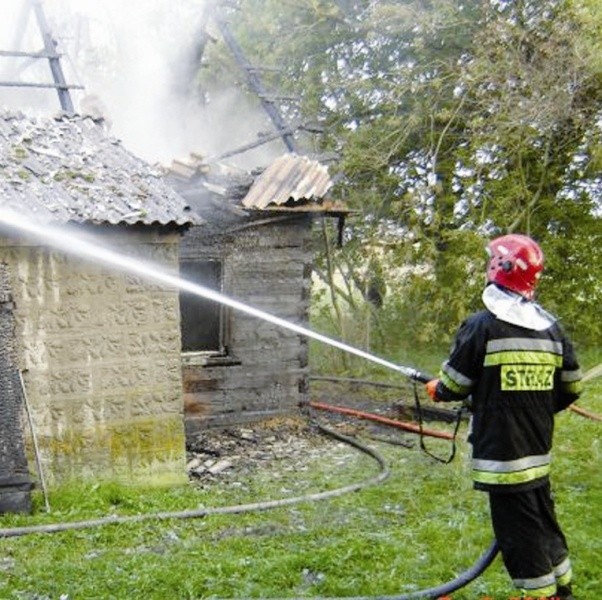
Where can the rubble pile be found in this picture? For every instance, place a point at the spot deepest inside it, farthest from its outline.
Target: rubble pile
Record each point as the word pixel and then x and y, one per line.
pixel 225 454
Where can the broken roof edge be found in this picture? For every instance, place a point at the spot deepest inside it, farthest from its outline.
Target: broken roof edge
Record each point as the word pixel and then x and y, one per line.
pixel 289 177
pixel 331 209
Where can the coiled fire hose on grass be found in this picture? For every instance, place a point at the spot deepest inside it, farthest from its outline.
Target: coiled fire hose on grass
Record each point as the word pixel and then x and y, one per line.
pixel 462 580
pixel 219 510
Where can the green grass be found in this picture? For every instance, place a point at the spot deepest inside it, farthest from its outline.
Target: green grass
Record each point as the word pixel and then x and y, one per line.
pixel 419 528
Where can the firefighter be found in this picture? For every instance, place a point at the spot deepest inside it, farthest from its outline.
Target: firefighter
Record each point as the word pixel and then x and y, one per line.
pixel 519 369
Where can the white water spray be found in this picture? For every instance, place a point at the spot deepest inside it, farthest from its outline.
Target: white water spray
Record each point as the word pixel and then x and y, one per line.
pixel 69 242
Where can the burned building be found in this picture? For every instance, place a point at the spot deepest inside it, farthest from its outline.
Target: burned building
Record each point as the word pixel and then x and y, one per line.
pixel 118 369
pixel 255 245
pixel 98 349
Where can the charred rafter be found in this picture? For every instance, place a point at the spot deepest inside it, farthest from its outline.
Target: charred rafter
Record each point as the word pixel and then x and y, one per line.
pixel 252 74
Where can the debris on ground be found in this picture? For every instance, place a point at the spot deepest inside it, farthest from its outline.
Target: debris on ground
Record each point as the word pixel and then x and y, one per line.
pixel 239 450
pixel 282 443
pixel 226 454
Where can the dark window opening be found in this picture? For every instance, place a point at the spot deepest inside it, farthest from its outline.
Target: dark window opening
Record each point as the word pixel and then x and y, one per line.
pixel 202 320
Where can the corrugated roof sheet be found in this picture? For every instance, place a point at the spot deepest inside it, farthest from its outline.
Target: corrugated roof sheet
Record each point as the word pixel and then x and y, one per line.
pixel 290 178
pixel 66 169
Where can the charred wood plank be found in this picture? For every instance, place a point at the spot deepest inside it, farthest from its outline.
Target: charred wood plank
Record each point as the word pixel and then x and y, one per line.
pixel 255 83
pixel 31 84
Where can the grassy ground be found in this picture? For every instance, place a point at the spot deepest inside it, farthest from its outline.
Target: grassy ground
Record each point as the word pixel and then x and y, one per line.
pixel 420 528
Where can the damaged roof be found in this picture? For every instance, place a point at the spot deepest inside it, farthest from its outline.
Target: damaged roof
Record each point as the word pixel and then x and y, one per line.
pixel 290 178
pixel 222 195
pixel 66 169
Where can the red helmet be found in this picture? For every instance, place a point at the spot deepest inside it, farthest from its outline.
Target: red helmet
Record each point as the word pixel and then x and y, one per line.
pixel 516 263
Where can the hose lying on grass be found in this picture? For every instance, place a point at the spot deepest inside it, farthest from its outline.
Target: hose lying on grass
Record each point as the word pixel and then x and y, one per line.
pixel 593 373
pixel 219 510
pixel 462 580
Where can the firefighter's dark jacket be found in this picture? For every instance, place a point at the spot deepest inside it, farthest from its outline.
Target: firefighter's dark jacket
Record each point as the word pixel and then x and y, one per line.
pixel 518 378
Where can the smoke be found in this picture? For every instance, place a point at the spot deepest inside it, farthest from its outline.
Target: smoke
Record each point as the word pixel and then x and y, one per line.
pixel 136 61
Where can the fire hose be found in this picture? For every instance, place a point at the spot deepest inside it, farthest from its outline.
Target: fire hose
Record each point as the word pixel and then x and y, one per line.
pixel 412 427
pixel 415 376
pixel 444 589
pixel 593 373
pixel 462 580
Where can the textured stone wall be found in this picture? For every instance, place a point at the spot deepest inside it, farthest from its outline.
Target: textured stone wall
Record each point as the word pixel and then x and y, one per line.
pixel 267 267
pixel 101 357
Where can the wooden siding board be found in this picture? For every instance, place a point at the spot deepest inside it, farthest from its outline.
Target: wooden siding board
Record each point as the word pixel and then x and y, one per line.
pixel 267 267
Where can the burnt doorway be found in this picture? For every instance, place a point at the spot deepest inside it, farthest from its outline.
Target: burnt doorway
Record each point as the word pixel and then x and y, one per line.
pixel 15 482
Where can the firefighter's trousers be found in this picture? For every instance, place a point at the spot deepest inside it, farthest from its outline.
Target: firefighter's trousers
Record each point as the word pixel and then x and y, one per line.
pixel 531 541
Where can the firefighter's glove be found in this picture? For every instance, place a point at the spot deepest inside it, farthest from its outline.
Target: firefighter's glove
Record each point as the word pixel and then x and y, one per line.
pixel 431 389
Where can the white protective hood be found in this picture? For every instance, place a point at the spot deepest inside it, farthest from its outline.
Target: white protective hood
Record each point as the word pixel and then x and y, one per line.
pixel 513 308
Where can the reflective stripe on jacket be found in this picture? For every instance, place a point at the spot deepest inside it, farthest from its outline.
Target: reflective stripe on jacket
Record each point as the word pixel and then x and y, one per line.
pixel 517 379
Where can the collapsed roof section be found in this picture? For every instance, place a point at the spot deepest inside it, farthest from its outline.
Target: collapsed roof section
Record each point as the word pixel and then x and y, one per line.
pixel 66 169
pixel 222 195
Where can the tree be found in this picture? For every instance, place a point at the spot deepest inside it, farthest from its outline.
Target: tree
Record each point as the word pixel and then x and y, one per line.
pixel 454 121
pixel 534 93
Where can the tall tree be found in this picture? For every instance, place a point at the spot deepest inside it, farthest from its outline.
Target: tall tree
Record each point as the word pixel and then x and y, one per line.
pixel 454 121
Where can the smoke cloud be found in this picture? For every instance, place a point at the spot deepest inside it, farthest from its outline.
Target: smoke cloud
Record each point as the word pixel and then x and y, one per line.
pixel 135 61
